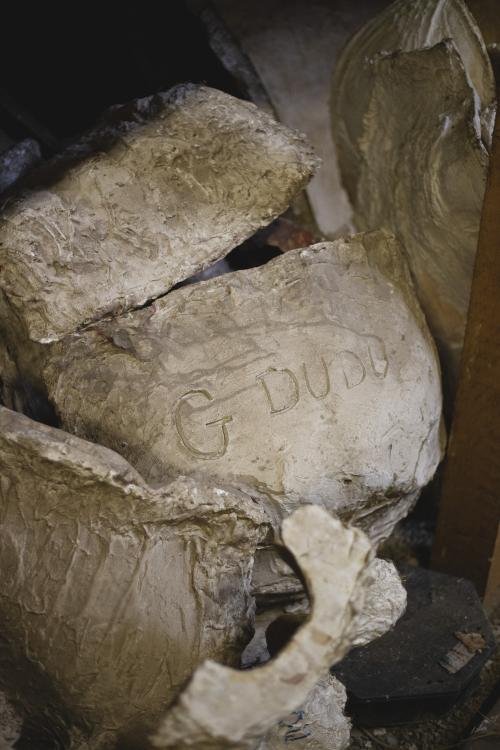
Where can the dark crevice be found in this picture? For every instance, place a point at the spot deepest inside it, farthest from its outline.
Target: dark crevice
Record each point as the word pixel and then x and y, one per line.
pixel 62 67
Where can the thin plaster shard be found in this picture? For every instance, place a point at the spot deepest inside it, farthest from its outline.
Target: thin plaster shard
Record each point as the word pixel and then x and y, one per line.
pixel 183 178
pixel 413 107
pixel 225 708
pixel 312 379
pixel 318 722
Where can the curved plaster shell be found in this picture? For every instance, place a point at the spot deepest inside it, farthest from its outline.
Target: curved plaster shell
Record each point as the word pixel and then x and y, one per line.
pixel 226 708
pixel 312 379
pixel 405 25
pixel 112 593
pixel 413 106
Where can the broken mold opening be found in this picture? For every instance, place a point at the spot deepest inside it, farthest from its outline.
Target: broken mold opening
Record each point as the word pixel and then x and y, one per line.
pixel 279 613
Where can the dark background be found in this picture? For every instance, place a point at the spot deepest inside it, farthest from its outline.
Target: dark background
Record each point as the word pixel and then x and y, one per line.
pixel 61 66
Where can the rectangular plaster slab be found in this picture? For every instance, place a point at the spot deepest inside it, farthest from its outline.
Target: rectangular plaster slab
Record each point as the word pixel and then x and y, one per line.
pixel 183 178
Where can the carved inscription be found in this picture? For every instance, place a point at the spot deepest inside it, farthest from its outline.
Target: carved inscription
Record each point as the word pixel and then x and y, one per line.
pixel 288 391
pixel 327 385
pixel 282 389
pixel 223 439
pixel 353 369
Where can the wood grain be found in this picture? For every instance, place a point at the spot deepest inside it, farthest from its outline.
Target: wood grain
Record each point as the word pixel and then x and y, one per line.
pixel 470 502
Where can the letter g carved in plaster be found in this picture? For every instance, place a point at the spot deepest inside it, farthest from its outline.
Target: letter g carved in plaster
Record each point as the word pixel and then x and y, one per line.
pixel 219 452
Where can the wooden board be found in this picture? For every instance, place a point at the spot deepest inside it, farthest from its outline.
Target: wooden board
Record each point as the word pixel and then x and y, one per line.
pixel 470 502
pixel 492 595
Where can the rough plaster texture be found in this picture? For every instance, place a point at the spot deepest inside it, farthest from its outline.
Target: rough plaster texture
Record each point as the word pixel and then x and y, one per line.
pixel 318 724
pixel 187 176
pixel 385 603
pixel 293 46
pixel 313 378
pixel 406 25
pixel 112 593
pixel 282 595
pixel 413 130
pixel 225 708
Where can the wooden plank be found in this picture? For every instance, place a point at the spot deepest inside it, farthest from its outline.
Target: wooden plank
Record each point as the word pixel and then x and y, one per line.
pixel 492 595
pixel 470 501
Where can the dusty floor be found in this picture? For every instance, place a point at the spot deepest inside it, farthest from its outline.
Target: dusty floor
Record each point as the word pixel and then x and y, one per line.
pixel 447 732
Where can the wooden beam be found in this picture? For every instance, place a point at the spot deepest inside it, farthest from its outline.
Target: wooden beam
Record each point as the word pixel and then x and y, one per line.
pixel 492 595
pixel 470 501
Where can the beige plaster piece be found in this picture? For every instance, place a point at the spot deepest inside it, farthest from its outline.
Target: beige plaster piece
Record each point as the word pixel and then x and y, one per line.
pixel 440 166
pixel 413 131
pixel 112 593
pixel 313 378
pixel 284 597
pixel 405 25
pixel 385 603
pixel 225 708
pixel 190 174
pixel 292 47
pixel 318 724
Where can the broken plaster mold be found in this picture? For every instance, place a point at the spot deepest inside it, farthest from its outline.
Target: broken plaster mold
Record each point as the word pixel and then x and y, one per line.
pixel 115 593
pixel 112 593
pixel 182 178
pixel 226 708
pixel 413 108
pixel 312 379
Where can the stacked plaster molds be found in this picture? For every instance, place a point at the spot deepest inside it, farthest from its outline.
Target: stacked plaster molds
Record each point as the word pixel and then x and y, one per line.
pixel 126 583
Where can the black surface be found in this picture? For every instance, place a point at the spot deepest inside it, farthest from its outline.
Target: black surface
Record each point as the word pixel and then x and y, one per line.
pixel 63 65
pixel 399 678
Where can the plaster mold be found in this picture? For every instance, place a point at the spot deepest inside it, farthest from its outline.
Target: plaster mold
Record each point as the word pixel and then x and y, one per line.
pixel 225 708
pixel 384 604
pixel 413 108
pixel 113 593
pixel 312 379
pixel 181 179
